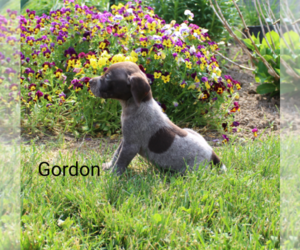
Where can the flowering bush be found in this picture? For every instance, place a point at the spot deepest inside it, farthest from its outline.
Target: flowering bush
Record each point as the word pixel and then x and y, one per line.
pixel 9 75
pixel 63 50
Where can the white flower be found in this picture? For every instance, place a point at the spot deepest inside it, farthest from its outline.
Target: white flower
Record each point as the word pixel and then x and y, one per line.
pixel 214 76
pixel 138 50
pixel 180 60
pixel 192 49
pixel 167 32
pixel 130 11
pixel 184 29
pixel 204 30
pixel 166 27
pixel 189 14
pixel 176 34
pixel 156 38
pixel 196 35
pixel 118 17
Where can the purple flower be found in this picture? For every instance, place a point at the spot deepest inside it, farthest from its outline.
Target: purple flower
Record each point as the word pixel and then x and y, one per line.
pixel 29 71
pixel 39 94
pixel 47 53
pixel 226 139
pixel 235 124
pixel 204 79
pixel 151 78
pixel 60 39
pixel 62 94
pixel 183 83
pixel 71 52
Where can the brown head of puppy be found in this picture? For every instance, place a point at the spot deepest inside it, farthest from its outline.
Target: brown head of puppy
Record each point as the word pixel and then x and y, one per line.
pixel 122 81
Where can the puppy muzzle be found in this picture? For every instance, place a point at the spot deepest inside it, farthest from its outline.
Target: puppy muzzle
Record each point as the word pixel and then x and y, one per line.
pixel 95 84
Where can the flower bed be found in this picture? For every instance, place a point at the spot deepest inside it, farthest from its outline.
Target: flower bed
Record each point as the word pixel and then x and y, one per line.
pixel 63 50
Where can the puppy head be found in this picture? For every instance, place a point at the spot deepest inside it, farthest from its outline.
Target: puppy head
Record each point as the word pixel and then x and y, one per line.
pixel 122 81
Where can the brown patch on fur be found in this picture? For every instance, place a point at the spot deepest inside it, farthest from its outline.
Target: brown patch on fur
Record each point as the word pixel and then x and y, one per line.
pixel 162 140
pixel 215 160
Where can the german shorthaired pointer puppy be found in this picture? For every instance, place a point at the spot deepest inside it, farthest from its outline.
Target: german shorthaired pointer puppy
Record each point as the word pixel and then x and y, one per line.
pixel 146 129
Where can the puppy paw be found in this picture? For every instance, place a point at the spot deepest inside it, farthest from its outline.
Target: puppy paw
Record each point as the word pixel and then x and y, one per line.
pixel 223 169
pixel 106 166
pixel 117 171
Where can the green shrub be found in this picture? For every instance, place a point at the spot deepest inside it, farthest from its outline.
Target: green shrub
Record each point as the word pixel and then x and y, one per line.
pixel 290 53
pixel 269 83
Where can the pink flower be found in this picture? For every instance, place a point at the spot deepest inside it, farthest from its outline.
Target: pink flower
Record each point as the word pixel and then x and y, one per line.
pixel 109 30
pixel 254 131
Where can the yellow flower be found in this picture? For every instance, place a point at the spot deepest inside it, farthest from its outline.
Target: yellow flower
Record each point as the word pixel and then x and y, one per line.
pixel 165 78
pixel 188 64
pixel 207 85
pixel 177 48
pixel 131 59
pixel 157 75
pixel 93 63
pixel 133 54
pixel 192 86
pixel 118 58
pixel 156 56
pixel 167 43
pixel 102 61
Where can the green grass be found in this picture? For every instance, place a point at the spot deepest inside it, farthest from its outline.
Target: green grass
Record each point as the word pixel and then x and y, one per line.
pixel 148 209
pixel 290 192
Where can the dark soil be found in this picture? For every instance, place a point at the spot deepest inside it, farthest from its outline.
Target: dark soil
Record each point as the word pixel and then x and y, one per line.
pixel 257 110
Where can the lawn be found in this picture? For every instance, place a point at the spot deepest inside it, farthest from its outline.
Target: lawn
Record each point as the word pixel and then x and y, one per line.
pixel 148 209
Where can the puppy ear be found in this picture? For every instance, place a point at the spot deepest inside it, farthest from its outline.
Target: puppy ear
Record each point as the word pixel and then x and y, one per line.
pixel 140 87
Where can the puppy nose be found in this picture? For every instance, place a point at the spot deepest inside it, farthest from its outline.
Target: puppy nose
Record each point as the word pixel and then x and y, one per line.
pixel 92 82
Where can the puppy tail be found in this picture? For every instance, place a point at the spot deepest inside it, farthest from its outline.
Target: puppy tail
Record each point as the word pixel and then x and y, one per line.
pixel 215 161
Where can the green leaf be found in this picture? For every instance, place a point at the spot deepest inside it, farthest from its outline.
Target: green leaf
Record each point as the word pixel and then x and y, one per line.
pixel 248 43
pixel 293 35
pixel 262 70
pixel 275 38
pixel 268 58
pixel 265 88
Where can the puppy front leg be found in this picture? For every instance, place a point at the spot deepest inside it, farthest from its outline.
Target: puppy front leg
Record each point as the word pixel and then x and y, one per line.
pixel 108 165
pixel 127 153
